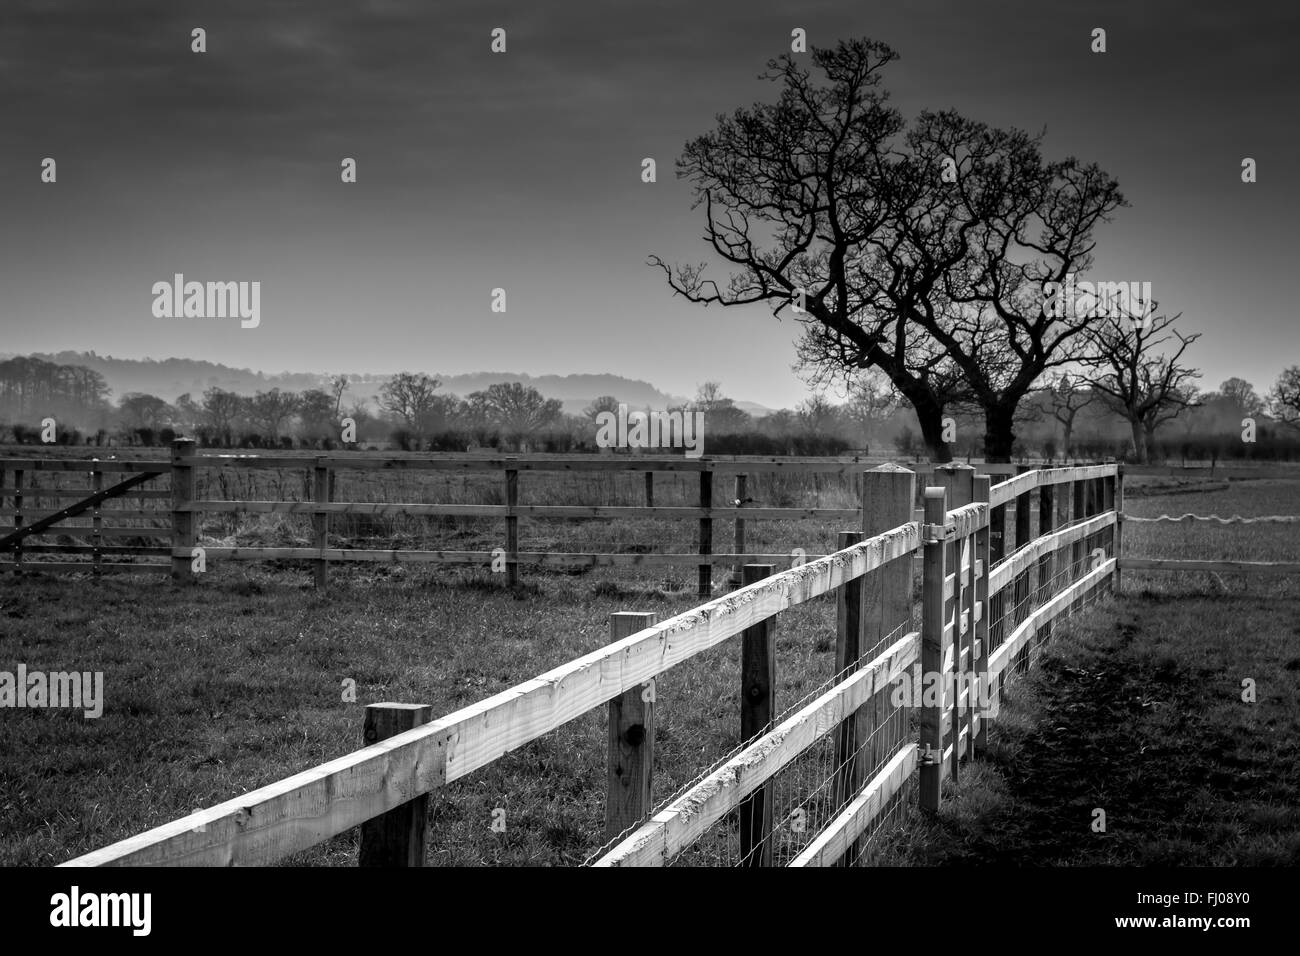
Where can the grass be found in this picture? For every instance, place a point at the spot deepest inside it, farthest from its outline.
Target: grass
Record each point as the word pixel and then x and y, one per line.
pixel 218 689
pixel 1136 708
pixel 215 690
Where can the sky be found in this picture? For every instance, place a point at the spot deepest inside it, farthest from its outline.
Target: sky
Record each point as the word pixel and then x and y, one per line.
pixel 521 171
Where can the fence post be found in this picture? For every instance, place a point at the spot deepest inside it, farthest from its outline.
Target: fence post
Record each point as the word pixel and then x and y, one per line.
pixel 854 731
pixel 18 518
pixel 1118 530
pixel 888 501
pixel 512 527
pixel 395 838
pixel 742 484
pixel 1078 550
pixel 932 647
pixel 97 521
pixel 1047 515
pixel 705 581
pixel 757 705
pixel 628 790
pixel 183 521
pixel 321 520
pixel 980 630
pixel 959 481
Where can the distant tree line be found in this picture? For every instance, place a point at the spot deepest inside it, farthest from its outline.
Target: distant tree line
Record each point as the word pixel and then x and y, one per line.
pixel 1080 417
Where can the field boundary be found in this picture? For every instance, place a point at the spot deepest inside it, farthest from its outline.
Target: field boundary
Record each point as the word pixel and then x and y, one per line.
pixel 871 580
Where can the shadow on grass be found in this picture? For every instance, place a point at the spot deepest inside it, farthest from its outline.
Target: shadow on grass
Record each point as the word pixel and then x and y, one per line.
pixel 1138 711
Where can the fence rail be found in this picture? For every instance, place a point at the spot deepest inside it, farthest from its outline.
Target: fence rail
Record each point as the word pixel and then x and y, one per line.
pixel 871 577
pixel 187 510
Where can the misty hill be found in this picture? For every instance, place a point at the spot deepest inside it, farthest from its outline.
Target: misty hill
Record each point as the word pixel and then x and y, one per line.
pixel 173 377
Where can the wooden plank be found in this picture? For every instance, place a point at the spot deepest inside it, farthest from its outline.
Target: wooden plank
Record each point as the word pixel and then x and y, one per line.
pixel 1062 476
pixel 933 650
pixel 705 571
pixel 730 465
pixel 160 551
pixel 96 480
pixel 629 786
pixel 1042 616
pixel 23 530
pixel 207 506
pixel 570 512
pixel 1118 533
pixel 1049 506
pixel 1005 572
pixel 757 707
pixel 134 494
pixel 86 465
pixel 855 731
pixel 88 567
pixel 839 837
pixel 87 531
pixel 184 523
pixel 980 599
pixel 321 523
pixel 585 464
pixel 888 494
pixel 1007 491
pixel 300 811
pixel 395 838
pixel 30 513
pixel 512 527
pixel 544 558
pixel 683 821
pixel 742 492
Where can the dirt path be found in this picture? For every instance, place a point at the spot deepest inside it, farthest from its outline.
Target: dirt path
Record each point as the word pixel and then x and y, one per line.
pixel 1139 713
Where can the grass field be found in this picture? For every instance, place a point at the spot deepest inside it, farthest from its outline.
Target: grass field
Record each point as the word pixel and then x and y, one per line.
pixel 1137 709
pixel 215 690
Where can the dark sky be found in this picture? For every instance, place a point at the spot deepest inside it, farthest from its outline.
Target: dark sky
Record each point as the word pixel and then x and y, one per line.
pixel 522 170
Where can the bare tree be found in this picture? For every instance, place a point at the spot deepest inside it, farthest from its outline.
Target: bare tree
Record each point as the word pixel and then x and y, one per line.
pixel 139 410
pixel 1243 397
pixel 603 403
pixel 872 401
pixel 338 385
pixel 1147 385
pixel 520 410
pixel 1284 397
pixel 808 170
pixel 223 412
pixel 270 411
pixel 817 415
pixel 885 261
pixel 409 396
pixel 1066 397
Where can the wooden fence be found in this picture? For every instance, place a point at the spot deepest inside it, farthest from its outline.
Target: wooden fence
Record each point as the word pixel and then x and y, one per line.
pixel 1058 516
pixel 120 527
pixel 185 510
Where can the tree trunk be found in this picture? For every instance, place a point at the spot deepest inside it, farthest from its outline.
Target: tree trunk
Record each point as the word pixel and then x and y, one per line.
pixel 999 433
pixel 1065 439
pixel 1139 444
pixel 930 417
pixel 1150 445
